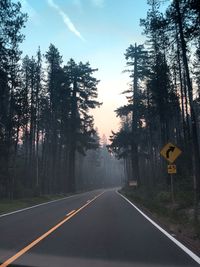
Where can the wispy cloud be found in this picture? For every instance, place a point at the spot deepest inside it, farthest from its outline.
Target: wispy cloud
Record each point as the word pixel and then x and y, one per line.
pixel 98 3
pixel 66 19
pixel 27 8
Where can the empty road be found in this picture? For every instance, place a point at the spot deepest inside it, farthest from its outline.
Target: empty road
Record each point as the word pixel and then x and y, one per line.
pixel 93 229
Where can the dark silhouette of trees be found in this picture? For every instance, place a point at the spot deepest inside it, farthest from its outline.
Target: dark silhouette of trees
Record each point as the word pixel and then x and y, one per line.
pixel 48 143
pixel 165 100
pixel 12 21
pixel 45 121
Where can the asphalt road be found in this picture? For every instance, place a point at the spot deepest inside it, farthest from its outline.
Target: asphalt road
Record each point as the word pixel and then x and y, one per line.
pixel 92 229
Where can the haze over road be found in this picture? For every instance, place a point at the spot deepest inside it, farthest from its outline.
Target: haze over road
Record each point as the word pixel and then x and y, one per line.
pixel 97 228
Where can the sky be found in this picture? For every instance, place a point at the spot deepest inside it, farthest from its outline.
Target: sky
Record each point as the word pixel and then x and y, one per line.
pixel 98 31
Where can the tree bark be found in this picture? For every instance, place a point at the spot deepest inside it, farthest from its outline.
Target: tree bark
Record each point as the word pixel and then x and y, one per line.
pixel 196 154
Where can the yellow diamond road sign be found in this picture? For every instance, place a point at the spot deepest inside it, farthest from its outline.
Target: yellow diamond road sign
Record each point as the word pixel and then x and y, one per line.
pixel 170 152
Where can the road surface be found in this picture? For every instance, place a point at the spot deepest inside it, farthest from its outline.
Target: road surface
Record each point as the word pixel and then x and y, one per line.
pixel 93 229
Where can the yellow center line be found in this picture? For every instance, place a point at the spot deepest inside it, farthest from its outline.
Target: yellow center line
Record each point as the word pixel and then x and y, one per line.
pixel 70 212
pixel 35 242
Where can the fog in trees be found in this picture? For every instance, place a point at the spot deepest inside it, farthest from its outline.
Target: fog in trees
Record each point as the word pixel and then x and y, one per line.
pixel 163 102
pixel 48 140
pixel 48 143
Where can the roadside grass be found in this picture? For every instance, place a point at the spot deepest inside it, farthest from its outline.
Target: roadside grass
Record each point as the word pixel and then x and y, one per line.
pixel 7 206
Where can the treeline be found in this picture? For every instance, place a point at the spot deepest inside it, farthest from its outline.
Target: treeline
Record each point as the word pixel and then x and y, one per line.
pixel 163 101
pixel 44 114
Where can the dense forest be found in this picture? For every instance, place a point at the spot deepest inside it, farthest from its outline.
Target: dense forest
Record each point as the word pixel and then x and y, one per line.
pixel 48 143
pixel 163 101
pixel 47 135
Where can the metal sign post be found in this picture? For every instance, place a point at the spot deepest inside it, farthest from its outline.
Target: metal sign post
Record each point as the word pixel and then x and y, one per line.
pixel 172 188
pixel 170 152
pixel 172 170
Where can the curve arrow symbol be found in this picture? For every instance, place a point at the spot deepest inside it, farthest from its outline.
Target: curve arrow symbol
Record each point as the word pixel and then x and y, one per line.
pixel 170 149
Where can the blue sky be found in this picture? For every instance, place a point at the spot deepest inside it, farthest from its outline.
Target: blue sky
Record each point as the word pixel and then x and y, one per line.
pixel 98 31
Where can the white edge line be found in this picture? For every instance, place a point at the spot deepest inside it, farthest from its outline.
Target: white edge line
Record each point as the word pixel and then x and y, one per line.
pixel 178 243
pixel 38 205
pixel 32 207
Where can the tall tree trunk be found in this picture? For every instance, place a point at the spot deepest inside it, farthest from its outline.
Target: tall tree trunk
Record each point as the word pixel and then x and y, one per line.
pixel 181 89
pixel 72 149
pixel 134 145
pixel 196 154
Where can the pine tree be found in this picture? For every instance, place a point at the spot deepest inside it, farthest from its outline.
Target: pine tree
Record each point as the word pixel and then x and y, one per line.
pixel 12 21
pixel 83 94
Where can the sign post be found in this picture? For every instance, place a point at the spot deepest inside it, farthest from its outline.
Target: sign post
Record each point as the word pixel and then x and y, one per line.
pixel 172 170
pixel 170 152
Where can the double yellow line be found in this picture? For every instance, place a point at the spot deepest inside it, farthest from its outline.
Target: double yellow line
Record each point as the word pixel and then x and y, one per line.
pixel 35 242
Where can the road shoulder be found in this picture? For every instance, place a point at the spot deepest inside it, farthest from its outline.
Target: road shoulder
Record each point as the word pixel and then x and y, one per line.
pixel 161 225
